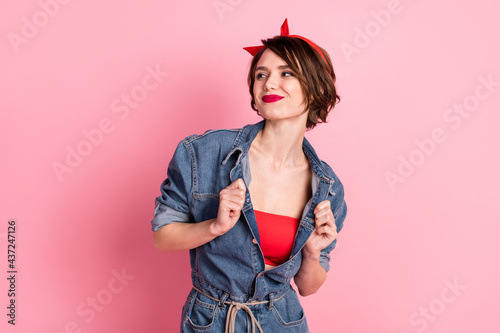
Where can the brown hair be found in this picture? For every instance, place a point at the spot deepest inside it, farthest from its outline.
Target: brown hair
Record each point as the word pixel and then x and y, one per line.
pixel 316 77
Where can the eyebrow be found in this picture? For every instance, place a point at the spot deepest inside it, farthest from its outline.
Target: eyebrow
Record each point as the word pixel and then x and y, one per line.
pixel 264 68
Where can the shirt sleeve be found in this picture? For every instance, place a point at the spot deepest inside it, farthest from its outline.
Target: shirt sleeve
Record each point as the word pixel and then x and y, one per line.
pixel 173 205
pixel 339 209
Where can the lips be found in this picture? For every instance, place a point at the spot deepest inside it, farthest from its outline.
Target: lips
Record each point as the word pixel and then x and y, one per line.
pixel 271 98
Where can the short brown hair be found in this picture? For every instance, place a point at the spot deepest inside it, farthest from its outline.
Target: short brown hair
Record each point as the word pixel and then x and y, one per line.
pixel 316 77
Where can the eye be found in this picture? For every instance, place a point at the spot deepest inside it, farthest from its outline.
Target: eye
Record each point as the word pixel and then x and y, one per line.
pixel 287 74
pixel 260 75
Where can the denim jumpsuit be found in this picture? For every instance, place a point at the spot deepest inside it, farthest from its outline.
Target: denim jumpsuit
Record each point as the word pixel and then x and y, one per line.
pixel 228 272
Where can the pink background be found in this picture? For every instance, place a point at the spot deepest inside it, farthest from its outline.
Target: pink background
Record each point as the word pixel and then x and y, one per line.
pixel 418 253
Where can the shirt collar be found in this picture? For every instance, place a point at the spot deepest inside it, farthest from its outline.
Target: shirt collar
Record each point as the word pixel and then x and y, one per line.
pixel 248 133
pixel 244 140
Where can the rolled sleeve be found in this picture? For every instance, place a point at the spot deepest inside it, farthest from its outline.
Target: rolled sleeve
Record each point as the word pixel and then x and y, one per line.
pixel 164 215
pixel 173 205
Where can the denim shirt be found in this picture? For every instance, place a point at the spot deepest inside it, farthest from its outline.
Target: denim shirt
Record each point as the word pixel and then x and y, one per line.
pixel 232 266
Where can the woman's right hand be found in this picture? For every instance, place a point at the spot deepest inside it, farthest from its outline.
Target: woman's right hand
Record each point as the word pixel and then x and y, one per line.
pixel 231 201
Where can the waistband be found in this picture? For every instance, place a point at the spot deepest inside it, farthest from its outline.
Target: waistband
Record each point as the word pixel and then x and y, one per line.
pixel 234 307
pixel 218 292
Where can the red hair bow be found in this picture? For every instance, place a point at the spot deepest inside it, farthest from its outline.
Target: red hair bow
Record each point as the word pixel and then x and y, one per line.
pixel 284 32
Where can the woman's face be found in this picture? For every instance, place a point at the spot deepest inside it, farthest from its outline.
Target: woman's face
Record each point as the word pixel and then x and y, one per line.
pixel 277 90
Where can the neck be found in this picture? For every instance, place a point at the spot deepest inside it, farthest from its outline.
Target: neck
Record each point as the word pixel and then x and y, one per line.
pixel 281 142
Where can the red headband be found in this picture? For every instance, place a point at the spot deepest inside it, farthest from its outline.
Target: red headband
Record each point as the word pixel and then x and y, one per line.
pixel 284 32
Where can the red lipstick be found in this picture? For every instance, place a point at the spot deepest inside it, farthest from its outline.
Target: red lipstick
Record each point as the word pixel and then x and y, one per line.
pixel 271 98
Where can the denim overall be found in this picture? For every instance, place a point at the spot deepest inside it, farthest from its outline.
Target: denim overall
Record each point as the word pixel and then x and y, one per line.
pixel 231 290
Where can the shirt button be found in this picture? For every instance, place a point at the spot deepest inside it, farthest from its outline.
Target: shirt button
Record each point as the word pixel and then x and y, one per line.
pixel 254 241
pixel 248 200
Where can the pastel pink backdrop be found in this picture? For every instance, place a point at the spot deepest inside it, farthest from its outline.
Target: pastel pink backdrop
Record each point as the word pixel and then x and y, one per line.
pixel 418 252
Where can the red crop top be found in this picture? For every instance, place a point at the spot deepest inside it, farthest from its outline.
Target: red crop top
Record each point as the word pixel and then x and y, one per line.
pixel 277 233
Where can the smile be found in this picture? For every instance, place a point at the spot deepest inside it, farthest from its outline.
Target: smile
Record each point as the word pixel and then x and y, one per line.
pixel 271 98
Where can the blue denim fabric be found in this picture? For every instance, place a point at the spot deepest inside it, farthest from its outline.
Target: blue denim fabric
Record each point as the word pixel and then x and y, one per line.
pixel 231 266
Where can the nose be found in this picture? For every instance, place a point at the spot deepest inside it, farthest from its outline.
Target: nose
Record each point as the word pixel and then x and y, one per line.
pixel 271 82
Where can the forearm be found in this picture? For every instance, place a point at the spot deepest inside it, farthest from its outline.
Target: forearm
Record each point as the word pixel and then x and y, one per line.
pixel 311 274
pixel 183 236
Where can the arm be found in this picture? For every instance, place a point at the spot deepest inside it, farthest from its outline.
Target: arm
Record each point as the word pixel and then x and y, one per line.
pixel 311 274
pixel 185 236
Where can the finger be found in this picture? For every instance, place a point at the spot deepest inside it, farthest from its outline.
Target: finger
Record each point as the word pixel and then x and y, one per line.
pixel 229 206
pixel 324 212
pixel 238 201
pixel 325 219
pixel 238 183
pixel 326 227
pixel 327 230
pixel 321 206
pixel 236 192
pixel 234 213
pixel 241 184
pixel 228 196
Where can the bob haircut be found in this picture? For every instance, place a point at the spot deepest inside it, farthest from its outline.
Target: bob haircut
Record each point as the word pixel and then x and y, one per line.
pixel 316 77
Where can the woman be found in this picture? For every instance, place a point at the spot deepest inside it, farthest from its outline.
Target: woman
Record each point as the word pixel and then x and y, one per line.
pixel 255 206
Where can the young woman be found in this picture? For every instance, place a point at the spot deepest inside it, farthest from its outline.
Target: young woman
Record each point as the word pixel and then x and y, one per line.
pixel 255 206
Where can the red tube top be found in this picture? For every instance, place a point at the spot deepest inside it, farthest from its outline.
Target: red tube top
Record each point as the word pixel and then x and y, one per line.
pixel 277 233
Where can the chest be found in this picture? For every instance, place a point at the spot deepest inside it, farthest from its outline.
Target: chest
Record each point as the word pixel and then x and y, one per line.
pixel 283 191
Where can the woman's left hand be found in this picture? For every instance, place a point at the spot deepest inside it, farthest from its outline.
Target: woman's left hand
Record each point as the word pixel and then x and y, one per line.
pixel 325 232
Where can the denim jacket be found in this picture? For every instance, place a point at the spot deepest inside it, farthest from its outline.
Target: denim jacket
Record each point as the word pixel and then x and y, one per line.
pixel 231 266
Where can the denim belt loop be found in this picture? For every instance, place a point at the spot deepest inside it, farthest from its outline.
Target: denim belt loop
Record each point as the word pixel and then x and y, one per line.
pixel 223 300
pixel 271 301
